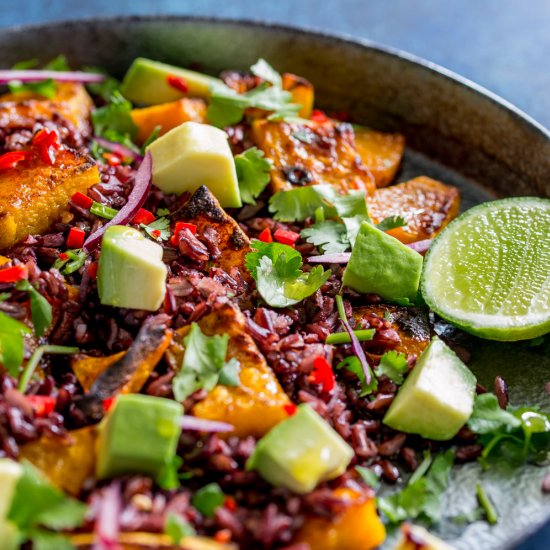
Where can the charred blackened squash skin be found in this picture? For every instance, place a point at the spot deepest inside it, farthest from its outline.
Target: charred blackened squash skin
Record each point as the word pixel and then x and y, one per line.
pixel 312 152
pixel 129 373
pixel 203 210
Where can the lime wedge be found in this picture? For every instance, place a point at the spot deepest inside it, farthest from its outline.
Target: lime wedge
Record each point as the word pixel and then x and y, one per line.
pixel 488 272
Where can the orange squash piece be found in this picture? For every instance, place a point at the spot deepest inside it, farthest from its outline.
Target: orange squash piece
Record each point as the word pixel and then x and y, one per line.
pixel 23 110
pixel 168 116
pixel 66 462
pixel 33 195
pixel 426 204
pixel 258 402
pixel 87 368
pixel 302 92
pixel 380 152
pixel 358 528
pixel 324 152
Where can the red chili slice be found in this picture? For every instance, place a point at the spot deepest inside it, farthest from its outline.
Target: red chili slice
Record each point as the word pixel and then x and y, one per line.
pixel 286 237
pixel 143 216
pixel 108 403
pixel 318 116
pixel 76 238
pixel 230 503
pixel 14 273
pixel 92 270
pixel 178 83
pixel 82 200
pixel 265 236
pixel 9 160
pixel 322 374
pixel 63 256
pixel 179 227
pixel 290 409
pixel 42 405
pixel 112 159
pixel 46 143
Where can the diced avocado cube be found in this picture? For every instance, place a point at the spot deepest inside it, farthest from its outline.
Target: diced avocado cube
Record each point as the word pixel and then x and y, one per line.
pixel 300 452
pixel 380 264
pixel 10 472
pixel 192 155
pixel 131 273
pixel 147 82
pixel 414 537
pixel 139 435
pixel 437 398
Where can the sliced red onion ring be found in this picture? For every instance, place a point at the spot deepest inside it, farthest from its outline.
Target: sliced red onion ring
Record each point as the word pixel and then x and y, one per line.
pixel 421 246
pixel 358 351
pixel 107 524
pixel 138 195
pixel 61 76
pixel 119 149
pixel 201 425
pixel 340 258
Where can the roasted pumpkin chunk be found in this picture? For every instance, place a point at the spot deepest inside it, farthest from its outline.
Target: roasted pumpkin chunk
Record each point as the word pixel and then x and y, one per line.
pixel 381 153
pixel 426 204
pixel 23 110
pixel 302 92
pixel 311 153
pixel 167 116
pixel 258 402
pixel 203 210
pixel 67 462
pixel 87 368
pixel 409 323
pixel 358 528
pixel 33 194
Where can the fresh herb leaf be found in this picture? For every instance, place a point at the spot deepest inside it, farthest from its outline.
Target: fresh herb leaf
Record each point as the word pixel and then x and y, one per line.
pixel 488 417
pixel 169 477
pixel 208 499
pixel 41 309
pixel 163 212
pixel 253 173
pixel 330 237
pixel 153 136
pixel 370 477
pixel 276 268
pixel 486 504
pixel 36 502
pixel 114 121
pixel 58 63
pixel 162 225
pixel 421 497
pixel 393 365
pixel 104 89
pixel 25 65
pixel 203 361
pixel 177 528
pixel 353 365
pixel 12 346
pixel 264 70
pixel 391 222
pixel 229 375
pixel 46 88
pixel 46 540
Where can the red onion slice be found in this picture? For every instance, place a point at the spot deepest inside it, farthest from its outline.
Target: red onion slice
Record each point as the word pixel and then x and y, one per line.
pixel 340 258
pixel 421 246
pixel 358 351
pixel 202 425
pixel 107 524
pixel 138 195
pixel 61 76
pixel 118 148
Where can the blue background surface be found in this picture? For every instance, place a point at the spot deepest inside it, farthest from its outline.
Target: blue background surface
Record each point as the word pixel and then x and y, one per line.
pixel 503 45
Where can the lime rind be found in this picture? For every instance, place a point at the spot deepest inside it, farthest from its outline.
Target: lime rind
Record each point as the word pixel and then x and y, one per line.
pixel 488 272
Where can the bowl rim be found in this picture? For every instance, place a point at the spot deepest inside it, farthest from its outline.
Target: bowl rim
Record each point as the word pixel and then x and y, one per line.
pixel 331 36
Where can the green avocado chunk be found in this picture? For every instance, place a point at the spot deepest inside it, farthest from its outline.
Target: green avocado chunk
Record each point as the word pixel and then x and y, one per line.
pixel 139 435
pixel 131 273
pixel 146 82
pixel 300 452
pixel 380 264
pixel 192 155
pixel 437 398
pixel 10 472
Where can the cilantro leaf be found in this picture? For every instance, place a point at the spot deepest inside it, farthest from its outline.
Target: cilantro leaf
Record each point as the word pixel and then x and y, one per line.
pixel 177 528
pixel 353 365
pixel 169 476
pixel 420 498
pixel 162 225
pixel 46 88
pixel 114 121
pixel 153 136
pixel 208 499
pixel 253 173
pixel 263 69
pixel 104 89
pixel 204 364
pixel 393 365
pixel 12 345
pixel 46 540
pixel 391 222
pixel 58 63
pixel 488 417
pixel 370 477
pixel 330 237
pixel 276 268
pixel 41 310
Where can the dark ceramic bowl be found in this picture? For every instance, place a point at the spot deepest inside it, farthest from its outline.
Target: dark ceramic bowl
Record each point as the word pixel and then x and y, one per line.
pixel 455 130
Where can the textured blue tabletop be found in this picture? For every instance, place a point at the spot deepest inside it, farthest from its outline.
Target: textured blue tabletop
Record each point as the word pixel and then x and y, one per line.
pixel 503 45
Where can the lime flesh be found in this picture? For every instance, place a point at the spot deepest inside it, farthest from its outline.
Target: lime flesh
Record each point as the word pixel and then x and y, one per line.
pixel 488 272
